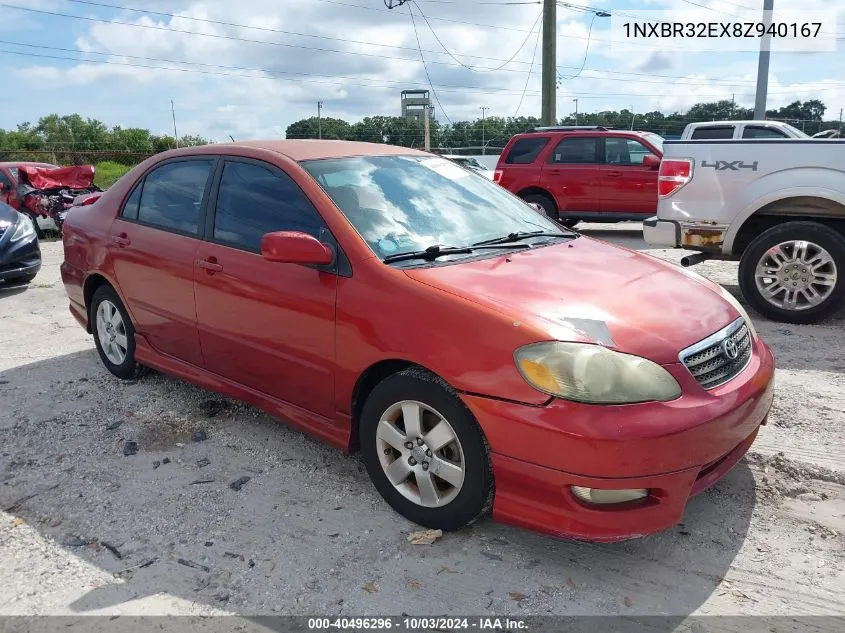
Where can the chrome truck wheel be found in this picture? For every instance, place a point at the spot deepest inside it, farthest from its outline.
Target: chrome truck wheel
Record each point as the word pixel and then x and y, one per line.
pixel 795 272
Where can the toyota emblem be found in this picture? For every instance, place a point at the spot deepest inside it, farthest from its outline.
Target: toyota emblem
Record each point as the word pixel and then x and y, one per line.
pixel 731 349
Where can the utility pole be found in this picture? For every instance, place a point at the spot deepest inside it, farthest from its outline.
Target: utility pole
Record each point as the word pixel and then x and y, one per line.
pixel 633 117
pixel 733 104
pixel 576 112
pixel 763 63
pixel 549 114
pixel 319 119
pixel 483 130
pixel 173 112
pixel 427 127
pixel 840 121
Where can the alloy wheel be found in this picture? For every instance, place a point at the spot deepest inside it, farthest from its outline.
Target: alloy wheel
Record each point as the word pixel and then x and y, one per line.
pixel 420 454
pixel 796 275
pixel 111 331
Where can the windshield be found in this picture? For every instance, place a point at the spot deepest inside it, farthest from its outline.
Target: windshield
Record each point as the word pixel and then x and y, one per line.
pixel 401 204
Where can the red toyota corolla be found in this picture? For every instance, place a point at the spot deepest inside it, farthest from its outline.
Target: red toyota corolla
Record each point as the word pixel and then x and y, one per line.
pixel 477 354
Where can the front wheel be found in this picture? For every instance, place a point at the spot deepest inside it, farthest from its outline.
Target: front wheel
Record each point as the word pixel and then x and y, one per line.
pixel 795 272
pixel 424 451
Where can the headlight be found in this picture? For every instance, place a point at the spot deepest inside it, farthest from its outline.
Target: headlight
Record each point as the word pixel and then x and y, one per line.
pixel 594 374
pixel 742 312
pixel 23 229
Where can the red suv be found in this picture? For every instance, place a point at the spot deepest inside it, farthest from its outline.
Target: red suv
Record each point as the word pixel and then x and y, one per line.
pixel 584 173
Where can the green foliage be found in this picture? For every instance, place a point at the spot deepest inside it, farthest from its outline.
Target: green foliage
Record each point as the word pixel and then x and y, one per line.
pixel 72 140
pixel 494 132
pixel 109 172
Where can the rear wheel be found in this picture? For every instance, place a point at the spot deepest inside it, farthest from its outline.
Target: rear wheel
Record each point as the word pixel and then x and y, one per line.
pixel 795 272
pixel 424 451
pixel 549 207
pixel 114 334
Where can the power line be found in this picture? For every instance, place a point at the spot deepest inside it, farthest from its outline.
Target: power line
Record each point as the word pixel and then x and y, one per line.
pixel 425 67
pixel 586 52
pixel 449 53
pixel 391 85
pixel 530 68
pixel 704 80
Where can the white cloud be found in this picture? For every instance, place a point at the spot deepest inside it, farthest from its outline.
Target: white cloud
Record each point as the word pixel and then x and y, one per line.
pixel 367 75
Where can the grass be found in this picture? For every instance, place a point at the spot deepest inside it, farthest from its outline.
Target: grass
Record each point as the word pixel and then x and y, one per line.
pixel 108 173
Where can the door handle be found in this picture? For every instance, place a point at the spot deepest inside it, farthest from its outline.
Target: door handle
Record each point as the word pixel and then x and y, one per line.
pixel 614 174
pixel 121 239
pixel 210 265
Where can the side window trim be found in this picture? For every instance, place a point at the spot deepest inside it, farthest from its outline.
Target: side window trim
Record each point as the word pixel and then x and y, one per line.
pixel 340 267
pixel 215 160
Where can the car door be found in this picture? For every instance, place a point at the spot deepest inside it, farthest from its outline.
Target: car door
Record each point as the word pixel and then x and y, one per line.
pixel 268 326
pixel 153 247
pixel 572 174
pixel 629 187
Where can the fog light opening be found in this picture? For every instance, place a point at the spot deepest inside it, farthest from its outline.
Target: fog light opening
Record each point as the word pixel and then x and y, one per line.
pixel 599 496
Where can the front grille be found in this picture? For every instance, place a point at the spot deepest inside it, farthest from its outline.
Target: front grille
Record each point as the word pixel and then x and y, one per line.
pixel 710 361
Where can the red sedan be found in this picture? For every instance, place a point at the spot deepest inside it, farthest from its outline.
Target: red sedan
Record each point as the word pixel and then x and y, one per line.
pixel 478 355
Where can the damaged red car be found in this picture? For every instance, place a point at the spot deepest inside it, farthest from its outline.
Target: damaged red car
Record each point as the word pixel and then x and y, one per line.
pixel 479 356
pixel 45 193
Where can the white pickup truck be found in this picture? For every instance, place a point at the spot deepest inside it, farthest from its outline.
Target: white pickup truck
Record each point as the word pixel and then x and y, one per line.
pixel 723 130
pixel 777 206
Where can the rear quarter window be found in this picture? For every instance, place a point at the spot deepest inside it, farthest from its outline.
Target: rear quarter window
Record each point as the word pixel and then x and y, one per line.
pixel 713 133
pixel 526 150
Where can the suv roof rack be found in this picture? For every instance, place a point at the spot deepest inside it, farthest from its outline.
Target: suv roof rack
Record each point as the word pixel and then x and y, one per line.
pixel 570 128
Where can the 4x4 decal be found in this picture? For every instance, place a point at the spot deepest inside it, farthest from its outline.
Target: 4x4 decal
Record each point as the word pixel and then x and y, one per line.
pixel 730 165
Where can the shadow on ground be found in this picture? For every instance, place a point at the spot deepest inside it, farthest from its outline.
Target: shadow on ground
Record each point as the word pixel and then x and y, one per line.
pixel 307 534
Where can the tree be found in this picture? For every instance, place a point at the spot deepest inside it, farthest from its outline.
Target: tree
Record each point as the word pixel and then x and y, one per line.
pixel 337 129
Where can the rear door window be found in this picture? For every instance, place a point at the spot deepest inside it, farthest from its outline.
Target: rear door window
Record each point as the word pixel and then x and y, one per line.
pixel 717 132
pixel 576 150
pixel 172 195
pixel 760 131
pixel 4 180
pixel 254 200
pixel 526 150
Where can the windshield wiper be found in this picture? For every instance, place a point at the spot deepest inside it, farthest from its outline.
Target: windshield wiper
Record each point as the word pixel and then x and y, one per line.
pixel 433 252
pixel 523 235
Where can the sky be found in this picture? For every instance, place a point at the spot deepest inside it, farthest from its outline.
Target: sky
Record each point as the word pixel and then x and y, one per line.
pixel 249 68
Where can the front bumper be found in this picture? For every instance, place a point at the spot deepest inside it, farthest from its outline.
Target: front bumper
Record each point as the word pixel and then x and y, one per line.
pixel 19 259
pixel 675 449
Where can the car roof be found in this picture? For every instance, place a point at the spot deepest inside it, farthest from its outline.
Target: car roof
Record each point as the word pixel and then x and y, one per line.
pixel 308 149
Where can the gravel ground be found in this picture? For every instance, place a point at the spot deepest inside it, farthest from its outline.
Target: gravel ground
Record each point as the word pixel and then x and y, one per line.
pixel 86 529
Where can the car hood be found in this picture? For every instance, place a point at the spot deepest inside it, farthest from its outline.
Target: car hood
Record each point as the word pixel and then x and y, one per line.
pixel 590 291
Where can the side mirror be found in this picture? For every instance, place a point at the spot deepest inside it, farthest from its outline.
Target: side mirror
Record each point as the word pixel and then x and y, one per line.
pixel 650 161
pixel 294 247
pixel 537 207
pixel 2 186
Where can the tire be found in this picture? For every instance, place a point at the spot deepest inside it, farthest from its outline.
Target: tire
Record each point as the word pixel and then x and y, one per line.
pixel 121 365
pixel 550 207
pixel 452 507
pixel 824 244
